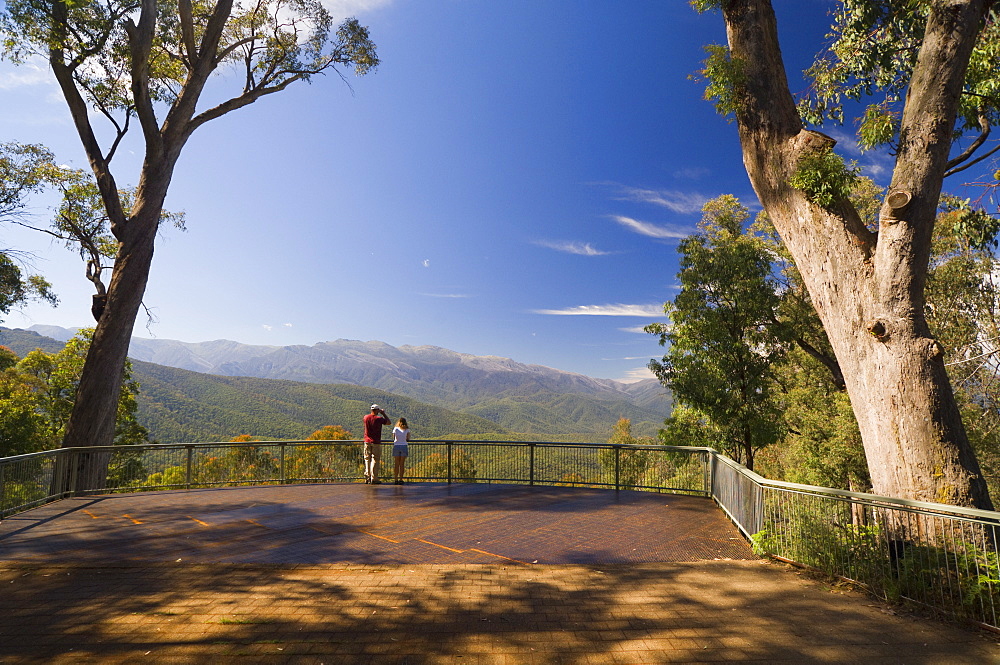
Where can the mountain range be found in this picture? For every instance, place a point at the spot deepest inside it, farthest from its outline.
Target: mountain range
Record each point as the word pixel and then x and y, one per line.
pixel 506 395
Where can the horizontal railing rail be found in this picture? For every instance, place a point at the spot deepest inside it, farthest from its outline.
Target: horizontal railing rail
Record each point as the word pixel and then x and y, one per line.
pixel 944 557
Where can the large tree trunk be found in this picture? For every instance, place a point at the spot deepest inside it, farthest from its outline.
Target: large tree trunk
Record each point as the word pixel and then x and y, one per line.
pixel 868 288
pixel 93 419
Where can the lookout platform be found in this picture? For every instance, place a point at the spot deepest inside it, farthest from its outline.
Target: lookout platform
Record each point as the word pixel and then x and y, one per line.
pixel 426 573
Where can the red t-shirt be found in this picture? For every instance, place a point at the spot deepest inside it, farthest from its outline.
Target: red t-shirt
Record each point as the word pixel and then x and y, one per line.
pixel 373 428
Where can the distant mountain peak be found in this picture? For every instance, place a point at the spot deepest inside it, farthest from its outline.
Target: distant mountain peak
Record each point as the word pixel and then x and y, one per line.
pixel 492 386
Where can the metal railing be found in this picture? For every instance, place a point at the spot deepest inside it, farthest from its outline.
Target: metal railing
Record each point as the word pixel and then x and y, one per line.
pixel 944 557
pixel 30 480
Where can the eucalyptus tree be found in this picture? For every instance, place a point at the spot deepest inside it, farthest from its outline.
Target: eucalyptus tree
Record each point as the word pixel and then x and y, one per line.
pixel 926 72
pixel 723 341
pixel 81 222
pixel 150 62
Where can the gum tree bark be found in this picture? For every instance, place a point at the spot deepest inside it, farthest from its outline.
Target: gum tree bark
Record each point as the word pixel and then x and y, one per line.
pixel 868 287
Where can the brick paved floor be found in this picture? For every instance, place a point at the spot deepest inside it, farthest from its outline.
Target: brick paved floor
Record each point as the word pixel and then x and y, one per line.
pixel 352 522
pixel 125 601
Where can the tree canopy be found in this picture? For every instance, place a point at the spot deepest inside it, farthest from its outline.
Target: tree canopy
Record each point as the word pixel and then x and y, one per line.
pixel 722 346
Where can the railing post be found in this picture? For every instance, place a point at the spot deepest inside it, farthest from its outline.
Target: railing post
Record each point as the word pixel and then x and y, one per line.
pixel 3 489
pixel 531 464
pixel 75 472
pixel 618 468
pixel 281 463
pixel 712 461
pixel 449 462
pixel 190 462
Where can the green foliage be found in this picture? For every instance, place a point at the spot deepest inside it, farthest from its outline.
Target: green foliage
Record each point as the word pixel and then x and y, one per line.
pixel 726 77
pixel 435 466
pixel 275 42
pixel 975 226
pixel 82 222
pixel 879 126
pixel 952 572
pixel 722 341
pixel 872 51
pixel 182 406
pixel 702 6
pixel 632 465
pixel 24 170
pixel 825 178
pixel 823 444
pixel 38 392
pixel 962 297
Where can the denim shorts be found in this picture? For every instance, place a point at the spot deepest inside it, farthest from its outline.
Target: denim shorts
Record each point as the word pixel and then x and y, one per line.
pixel 400 451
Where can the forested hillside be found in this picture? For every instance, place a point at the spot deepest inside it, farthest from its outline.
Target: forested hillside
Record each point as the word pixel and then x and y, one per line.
pixel 179 405
pixel 538 402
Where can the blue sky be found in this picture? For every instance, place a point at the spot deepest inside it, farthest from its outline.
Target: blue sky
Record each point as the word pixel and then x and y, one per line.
pixel 511 181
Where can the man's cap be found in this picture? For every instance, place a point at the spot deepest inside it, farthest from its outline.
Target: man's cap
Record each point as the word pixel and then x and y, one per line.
pixel 375 407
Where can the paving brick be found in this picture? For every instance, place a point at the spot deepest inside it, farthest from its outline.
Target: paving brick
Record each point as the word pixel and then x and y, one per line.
pixel 357 606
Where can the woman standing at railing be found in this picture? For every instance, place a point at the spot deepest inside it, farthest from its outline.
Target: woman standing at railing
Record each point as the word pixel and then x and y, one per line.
pixel 400 447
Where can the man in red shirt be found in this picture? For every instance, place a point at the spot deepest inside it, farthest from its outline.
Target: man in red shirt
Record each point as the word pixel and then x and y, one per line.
pixel 373 442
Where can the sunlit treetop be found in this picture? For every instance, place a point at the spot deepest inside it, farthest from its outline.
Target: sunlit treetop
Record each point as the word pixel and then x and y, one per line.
pixel 268 44
pixel 872 52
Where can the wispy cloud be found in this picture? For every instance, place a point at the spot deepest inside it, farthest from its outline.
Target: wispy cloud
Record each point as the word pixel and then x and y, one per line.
pixel 345 8
pixel 578 248
pixel 445 295
pixel 637 374
pixel 876 163
pixel 846 143
pixel 638 329
pixel 426 263
pixel 684 203
pixel 605 310
pixel 34 72
pixel 653 230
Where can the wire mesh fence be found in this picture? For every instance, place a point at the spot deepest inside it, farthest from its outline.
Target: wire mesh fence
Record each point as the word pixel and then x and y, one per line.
pixel 28 480
pixel 941 556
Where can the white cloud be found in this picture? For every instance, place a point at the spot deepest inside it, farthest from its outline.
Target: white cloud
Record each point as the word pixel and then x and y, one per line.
pixel 445 295
pixel 653 230
pixel 32 73
pixel 606 310
pixel 344 8
pixel 267 327
pixel 637 374
pixel 579 248
pixel 680 202
pixel 846 143
pixel 426 263
pixel 638 329
pixel 287 325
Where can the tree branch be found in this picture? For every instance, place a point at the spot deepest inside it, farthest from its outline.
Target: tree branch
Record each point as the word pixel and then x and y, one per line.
pixel 973 162
pixel 984 126
pixel 140 39
pixel 81 118
pixel 187 30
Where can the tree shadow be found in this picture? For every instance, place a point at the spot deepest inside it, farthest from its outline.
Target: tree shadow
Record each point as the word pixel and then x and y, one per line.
pixel 406 614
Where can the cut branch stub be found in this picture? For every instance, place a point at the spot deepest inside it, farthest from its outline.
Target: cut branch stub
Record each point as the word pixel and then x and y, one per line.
pixel 897 202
